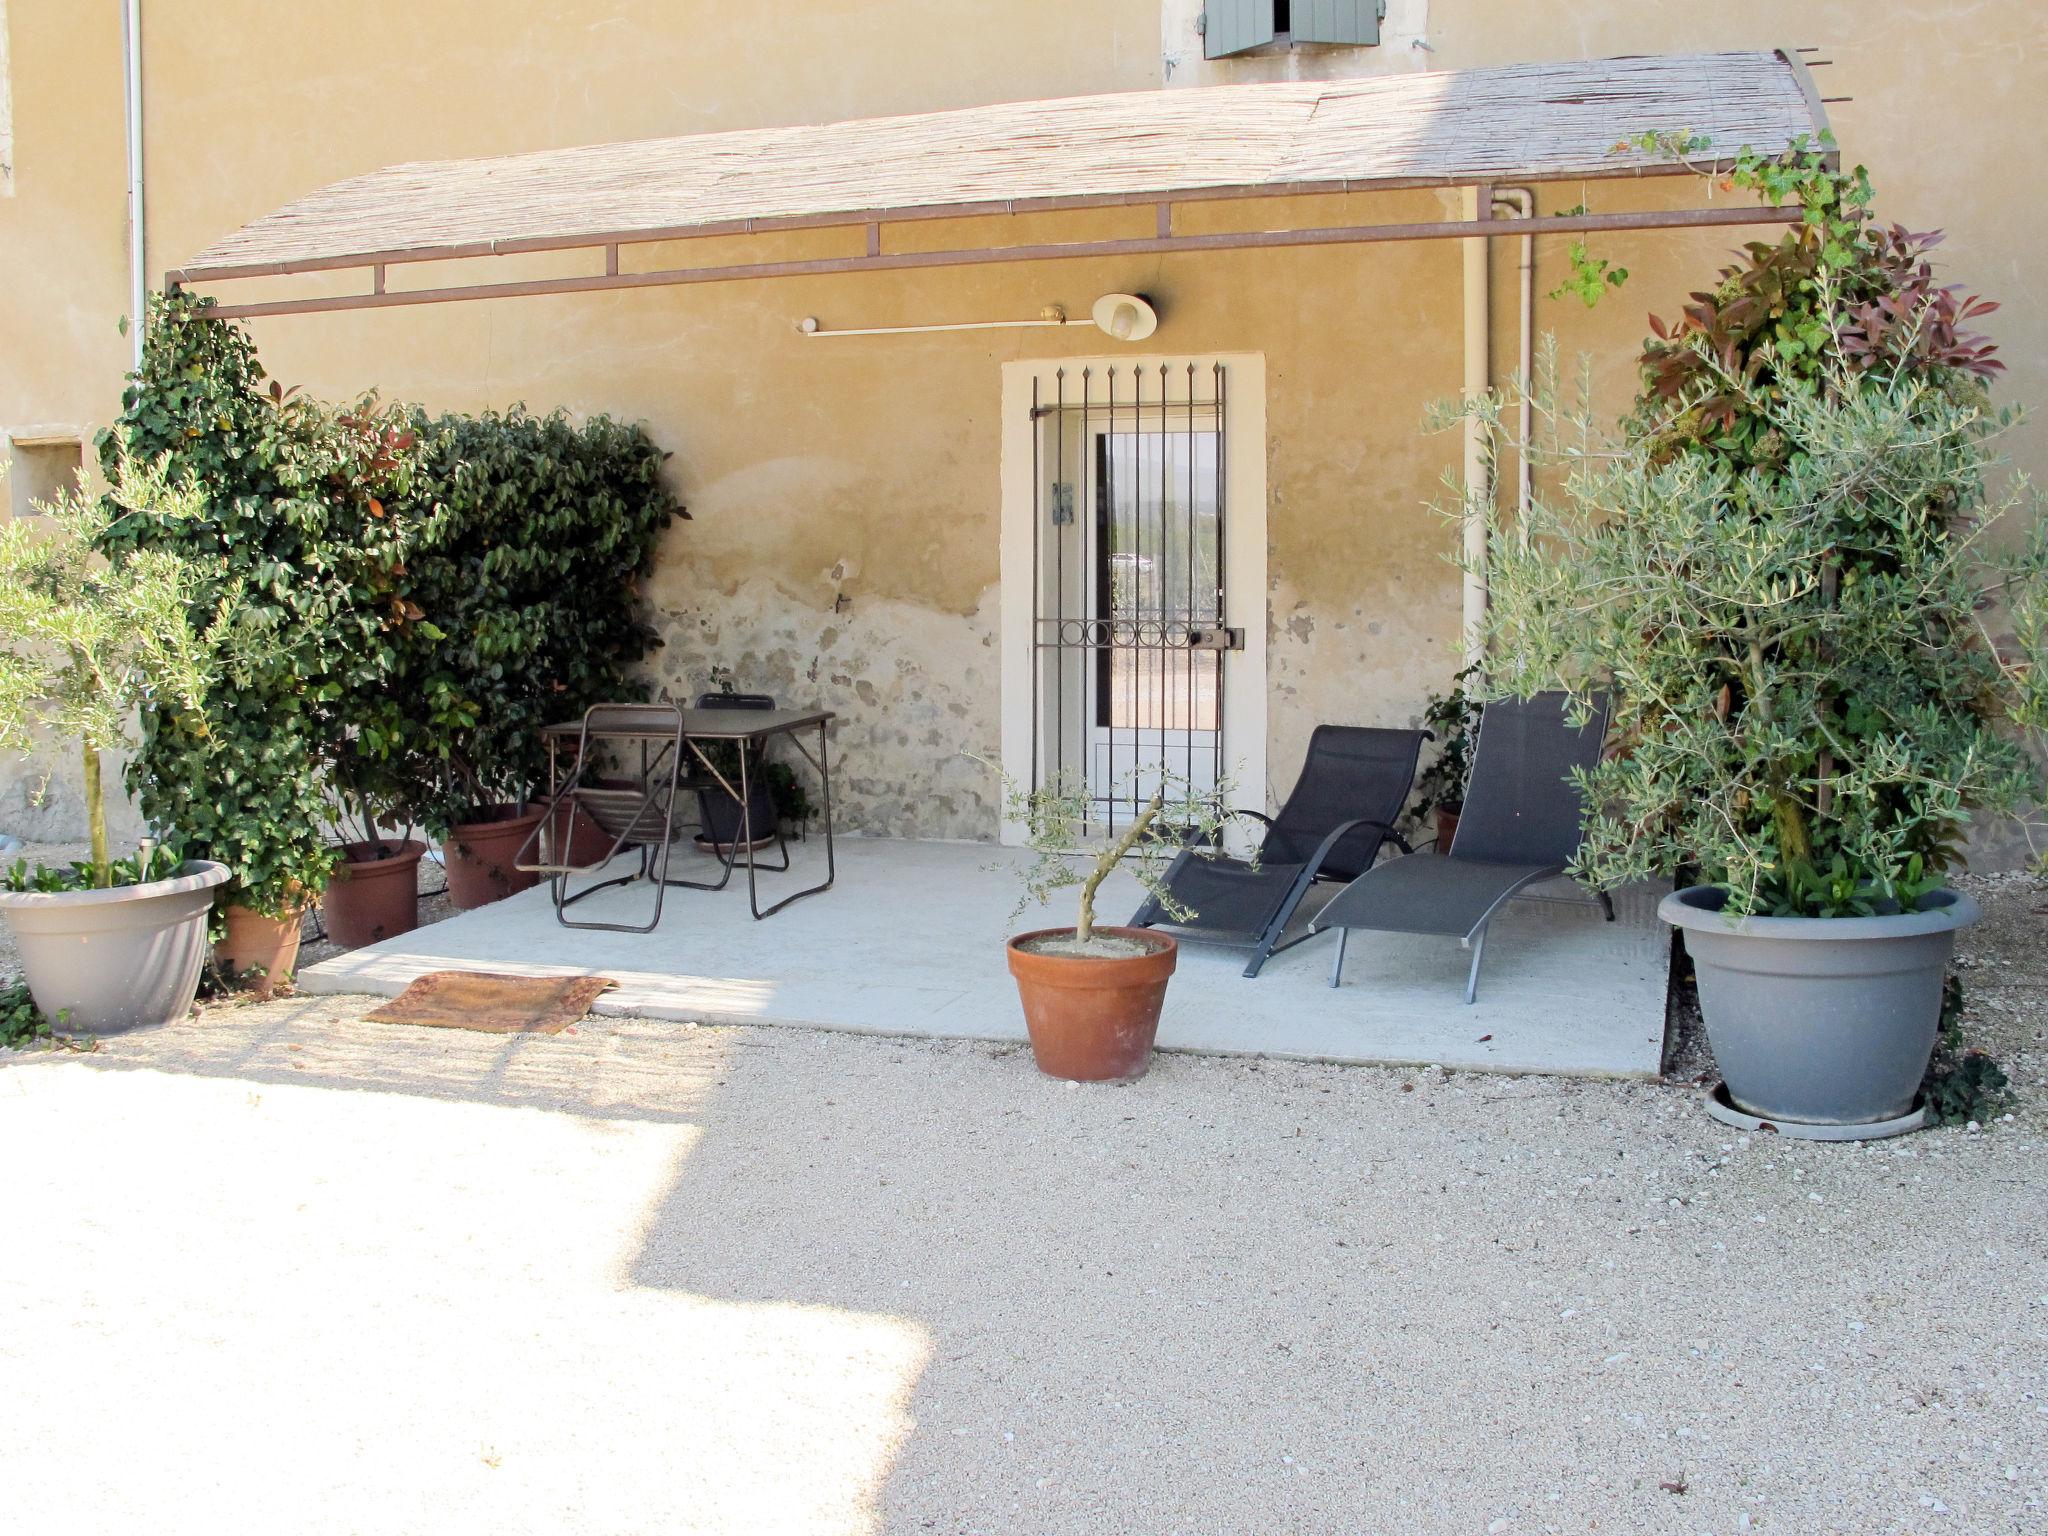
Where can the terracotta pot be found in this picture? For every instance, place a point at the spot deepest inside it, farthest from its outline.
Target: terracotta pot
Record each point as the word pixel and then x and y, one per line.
pixel 1093 1018
pixel 1446 828
pixel 375 894
pixel 587 841
pixel 254 942
pixel 479 855
pixel 577 833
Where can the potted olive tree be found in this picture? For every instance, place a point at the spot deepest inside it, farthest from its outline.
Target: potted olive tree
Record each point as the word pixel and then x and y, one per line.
pixel 84 648
pixel 1092 993
pixel 1780 570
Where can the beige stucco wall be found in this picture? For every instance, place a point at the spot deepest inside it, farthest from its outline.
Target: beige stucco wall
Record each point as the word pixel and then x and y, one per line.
pixel 845 494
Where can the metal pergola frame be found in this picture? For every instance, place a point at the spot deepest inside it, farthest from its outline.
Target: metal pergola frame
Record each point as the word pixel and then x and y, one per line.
pixel 1163 241
pixel 1539 100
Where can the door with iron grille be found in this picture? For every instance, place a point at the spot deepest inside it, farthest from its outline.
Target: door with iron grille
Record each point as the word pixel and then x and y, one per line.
pixel 1131 625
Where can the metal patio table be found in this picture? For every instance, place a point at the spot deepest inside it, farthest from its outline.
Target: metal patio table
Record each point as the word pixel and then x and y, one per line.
pixel 750 730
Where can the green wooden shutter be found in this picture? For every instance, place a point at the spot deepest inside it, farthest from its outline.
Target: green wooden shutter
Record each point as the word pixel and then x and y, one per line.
pixel 1233 26
pixel 1336 21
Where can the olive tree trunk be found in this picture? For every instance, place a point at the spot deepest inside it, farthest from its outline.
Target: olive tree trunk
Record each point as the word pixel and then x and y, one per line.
pixel 1110 857
pixel 96 817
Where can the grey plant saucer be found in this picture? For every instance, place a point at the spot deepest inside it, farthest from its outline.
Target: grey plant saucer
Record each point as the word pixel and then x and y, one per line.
pixel 1719 1106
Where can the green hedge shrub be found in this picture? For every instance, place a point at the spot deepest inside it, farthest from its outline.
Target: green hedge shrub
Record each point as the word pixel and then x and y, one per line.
pixel 413 597
pixel 530 534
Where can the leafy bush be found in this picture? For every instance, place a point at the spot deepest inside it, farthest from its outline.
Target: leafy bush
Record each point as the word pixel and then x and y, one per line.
pixel 297 538
pixel 1962 1084
pixel 1836 295
pixel 21 1023
pixel 531 532
pixel 153 861
pixel 1778 568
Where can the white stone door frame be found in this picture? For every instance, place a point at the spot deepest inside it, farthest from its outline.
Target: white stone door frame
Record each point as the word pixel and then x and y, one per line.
pixel 1244 543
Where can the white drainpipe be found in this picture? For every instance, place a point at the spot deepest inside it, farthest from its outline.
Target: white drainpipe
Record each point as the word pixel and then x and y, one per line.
pixel 138 261
pixel 1478 379
pixel 1523 202
pixel 1481 204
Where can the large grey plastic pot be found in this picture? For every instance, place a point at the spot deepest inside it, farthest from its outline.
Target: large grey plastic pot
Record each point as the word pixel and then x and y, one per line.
pixel 115 959
pixel 1820 1020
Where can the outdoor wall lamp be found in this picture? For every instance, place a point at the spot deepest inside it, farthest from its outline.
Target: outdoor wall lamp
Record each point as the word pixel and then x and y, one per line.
pixel 1125 316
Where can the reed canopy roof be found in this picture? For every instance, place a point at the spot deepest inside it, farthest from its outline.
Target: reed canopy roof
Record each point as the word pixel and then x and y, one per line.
pixel 1521 123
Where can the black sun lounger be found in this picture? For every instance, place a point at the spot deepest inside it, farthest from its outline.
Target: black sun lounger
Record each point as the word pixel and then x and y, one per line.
pixel 1520 824
pixel 1340 812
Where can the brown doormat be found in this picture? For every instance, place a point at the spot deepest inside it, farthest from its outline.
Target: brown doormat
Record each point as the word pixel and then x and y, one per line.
pixel 498 1005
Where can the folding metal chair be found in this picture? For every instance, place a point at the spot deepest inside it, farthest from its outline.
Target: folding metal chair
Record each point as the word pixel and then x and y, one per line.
pixel 633 812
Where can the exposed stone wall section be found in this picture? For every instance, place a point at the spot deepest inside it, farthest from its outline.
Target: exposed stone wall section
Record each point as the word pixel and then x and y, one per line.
pixel 42 797
pixel 1368 664
pixel 914 690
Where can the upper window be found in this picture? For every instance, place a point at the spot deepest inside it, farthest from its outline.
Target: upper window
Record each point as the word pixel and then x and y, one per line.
pixel 1239 26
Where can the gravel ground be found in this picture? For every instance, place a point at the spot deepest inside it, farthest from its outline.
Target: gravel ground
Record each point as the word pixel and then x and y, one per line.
pixel 281 1269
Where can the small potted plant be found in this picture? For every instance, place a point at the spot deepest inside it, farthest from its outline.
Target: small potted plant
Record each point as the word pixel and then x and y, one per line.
pixel 375 890
pixel 419 752
pixel 84 648
pixel 397 714
pixel 294 533
pixel 468 780
pixel 1092 993
pixel 1453 719
pixel 1781 570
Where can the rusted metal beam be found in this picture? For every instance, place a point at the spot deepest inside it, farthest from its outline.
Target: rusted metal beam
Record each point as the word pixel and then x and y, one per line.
pixel 594 239
pixel 1815 108
pixel 1235 240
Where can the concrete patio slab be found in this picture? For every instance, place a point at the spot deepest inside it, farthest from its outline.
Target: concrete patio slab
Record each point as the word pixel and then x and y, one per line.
pixel 910 942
